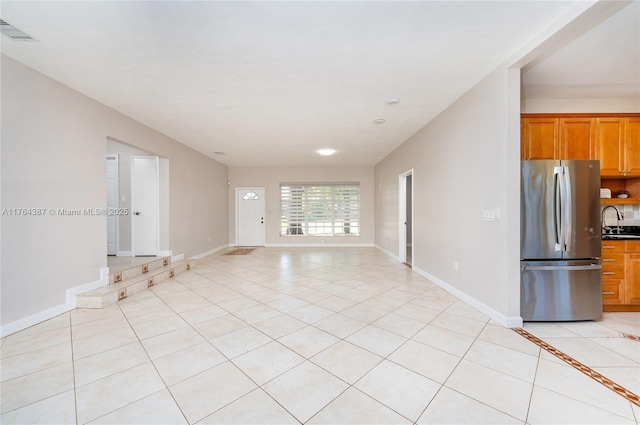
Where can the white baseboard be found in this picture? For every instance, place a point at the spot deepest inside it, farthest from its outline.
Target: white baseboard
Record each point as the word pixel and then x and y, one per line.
pixel 388 253
pixel 104 275
pixel 167 253
pixel 124 254
pixel 34 319
pixel 176 258
pixel 211 251
pixel 320 245
pixel 506 321
pixel 52 312
pixel 81 289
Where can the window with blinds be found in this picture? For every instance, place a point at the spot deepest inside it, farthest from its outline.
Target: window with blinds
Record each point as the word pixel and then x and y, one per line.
pixel 323 209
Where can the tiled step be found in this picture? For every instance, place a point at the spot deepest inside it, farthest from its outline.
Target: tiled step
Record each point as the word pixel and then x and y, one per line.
pixel 138 270
pixel 120 289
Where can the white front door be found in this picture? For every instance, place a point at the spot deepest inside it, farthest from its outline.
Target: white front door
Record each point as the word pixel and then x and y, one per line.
pixel 250 216
pixel 112 203
pixel 144 205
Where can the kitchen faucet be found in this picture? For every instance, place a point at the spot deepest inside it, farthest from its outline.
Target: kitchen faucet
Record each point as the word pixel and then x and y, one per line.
pixel 619 216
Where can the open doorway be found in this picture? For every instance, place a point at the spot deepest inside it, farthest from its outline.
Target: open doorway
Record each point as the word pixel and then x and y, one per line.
pixel 405 208
pixel 123 199
pixel 112 204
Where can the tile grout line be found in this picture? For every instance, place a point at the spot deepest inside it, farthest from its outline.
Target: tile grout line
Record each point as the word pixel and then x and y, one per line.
pixel 166 387
pixel 73 371
pixel 598 377
pixel 349 385
pixel 533 384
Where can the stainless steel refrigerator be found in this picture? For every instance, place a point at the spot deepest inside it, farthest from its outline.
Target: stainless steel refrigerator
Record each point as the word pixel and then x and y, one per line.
pixel 560 240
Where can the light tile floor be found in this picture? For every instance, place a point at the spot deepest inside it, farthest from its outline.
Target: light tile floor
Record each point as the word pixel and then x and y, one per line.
pixel 318 336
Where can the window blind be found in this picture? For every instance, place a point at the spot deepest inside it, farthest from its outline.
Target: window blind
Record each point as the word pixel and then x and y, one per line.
pixel 320 209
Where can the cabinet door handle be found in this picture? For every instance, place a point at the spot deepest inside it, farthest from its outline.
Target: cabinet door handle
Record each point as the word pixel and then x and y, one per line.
pixel 608 260
pixel 608 293
pixel 608 272
pixel 608 247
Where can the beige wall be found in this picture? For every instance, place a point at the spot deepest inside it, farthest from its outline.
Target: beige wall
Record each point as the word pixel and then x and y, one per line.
pixel 464 161
pixel 270 179
pixel 53 156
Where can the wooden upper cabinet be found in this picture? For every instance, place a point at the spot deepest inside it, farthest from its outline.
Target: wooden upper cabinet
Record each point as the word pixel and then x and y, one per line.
pixel 577 138
pixel 632 147
pixel 613 139
pixel 540 138
pixel 558 138
pixel 610 146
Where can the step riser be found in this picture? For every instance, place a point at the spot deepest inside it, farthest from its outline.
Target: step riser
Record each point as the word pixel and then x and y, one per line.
pixel 111 294
pixel 138 270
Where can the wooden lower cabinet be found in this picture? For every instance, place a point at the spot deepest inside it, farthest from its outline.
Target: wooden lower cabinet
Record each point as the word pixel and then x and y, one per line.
pixel 613 272
pixel 612 291
pixel 621 275
pixel 632 272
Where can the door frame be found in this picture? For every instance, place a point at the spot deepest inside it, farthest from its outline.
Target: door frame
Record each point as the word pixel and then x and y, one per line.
pixel 264 193
pixel 157 204
pixel 402 215
pixel 116 216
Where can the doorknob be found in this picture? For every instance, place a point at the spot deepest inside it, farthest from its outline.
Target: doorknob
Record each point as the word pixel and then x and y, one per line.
pixel 137 213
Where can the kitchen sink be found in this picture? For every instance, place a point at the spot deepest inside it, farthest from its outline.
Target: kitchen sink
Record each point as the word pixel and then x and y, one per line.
pixel 622 236
pixel 626 232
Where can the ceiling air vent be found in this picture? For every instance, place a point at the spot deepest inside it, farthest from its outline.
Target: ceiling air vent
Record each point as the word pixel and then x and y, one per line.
pixel 14 33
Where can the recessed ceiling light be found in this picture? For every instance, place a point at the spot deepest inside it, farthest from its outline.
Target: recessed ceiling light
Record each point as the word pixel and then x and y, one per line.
pixel 326 152
pixel 393 101
pixel 379 121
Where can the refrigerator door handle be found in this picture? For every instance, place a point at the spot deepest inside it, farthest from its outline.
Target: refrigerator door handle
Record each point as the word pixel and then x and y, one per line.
pixel 568 268
pixel 557 202
pixel 567 210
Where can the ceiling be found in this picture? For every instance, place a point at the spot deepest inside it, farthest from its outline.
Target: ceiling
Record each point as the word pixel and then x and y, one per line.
pixel 603 63
pixel 269 83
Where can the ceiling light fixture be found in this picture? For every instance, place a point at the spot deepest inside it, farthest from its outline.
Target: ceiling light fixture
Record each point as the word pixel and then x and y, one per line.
pixel 392 102
pixel 326 152
pixel 379 121
pixel 13 32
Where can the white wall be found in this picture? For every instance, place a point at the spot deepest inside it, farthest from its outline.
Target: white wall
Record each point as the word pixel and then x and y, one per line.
pixel 539 106
pixel 464 161
pixel 270 179
pixel 53 156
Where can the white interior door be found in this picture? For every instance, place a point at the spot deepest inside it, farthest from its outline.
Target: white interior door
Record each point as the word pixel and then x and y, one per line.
pixel 250 220
pixel 112 203
pixel 408 228
pixel 405 215
pixel 144 205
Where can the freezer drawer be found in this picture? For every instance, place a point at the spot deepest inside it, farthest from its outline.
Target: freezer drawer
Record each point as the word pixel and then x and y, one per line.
pixel 560 290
